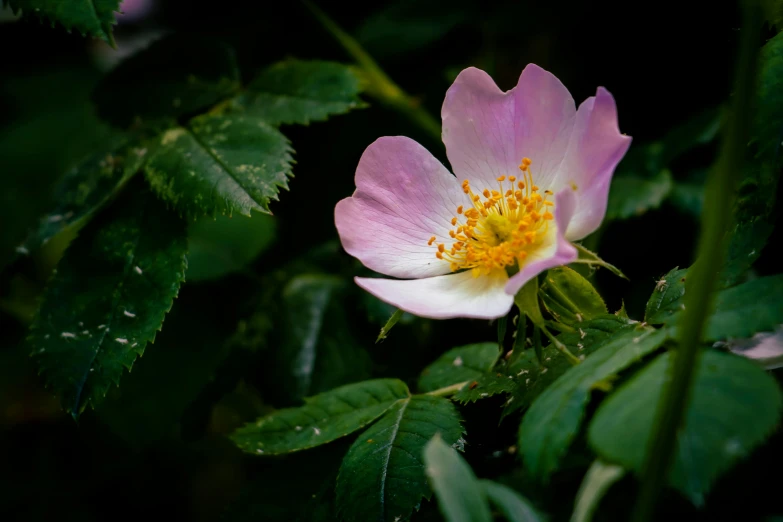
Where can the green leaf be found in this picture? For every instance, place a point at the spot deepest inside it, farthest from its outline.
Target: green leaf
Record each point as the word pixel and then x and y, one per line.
pixel 108 298
pixel 85 189
pixel 514 506
pixel 591 258
pixel 389 324
pixel 597 481
pixel 227 244
pixel 554 418
pixel 382 475
pixel 180 85
pixel 569 297
pixel 633 196
pixel 487 385
pixel 667 297
pixel 89 17
pixel 460 496
pixel 319 351
pixel 461 364
pixel 220 165
pixel 532 377
pixel 720 428
pixel 296 91
pixel 769 113
pixel 323 418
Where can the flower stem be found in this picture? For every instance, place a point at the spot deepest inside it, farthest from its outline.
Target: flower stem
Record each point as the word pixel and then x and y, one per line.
pixel 719 194
pixel 448 390
pixel 379 84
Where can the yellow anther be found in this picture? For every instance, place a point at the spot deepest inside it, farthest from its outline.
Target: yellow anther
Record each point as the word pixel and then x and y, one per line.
pixel 454 267
pixel 523 167
pixel 534 188
pixel 509 193
pixel 502 178
pixel 548 215
pixel 476 272
pixel 526 161
pixel 530 236
pixel 438 255
pixel 486 193
pixel 535 216
pixel 512 179
pixel 495 194
pixel 459 209
pixel 548 192
pixel 453 221
pixel 431 241
pixel 549 203
pixel 521 184
pixel 441 247
pixel 452 233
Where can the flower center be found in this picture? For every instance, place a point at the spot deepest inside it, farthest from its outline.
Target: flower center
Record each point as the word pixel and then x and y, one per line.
pixel 502 227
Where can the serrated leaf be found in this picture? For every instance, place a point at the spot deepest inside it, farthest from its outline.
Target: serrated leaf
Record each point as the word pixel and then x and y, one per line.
pixel 296 91
pixel 85 189
pixel 514 506
pixel 554 418
pixel 319 351
pixel 667 297
pixel 323 418
pixel 532 377
pixel 591 258
pixel 382 475
pixel 719 429
pixel 569 297
pixel 485 386
pixel 597 481
pixel 220 165
pixel 461 364
pixel 460 496
pixel 108 298
pixel 633 196
pixel 227 244
pixel 89 17
pixel 180 85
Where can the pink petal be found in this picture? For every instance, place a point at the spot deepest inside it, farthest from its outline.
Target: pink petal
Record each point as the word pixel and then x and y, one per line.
pixel 557 253
pixel 403 197
pixel 595 149
pixel 447 296
pixel 487 132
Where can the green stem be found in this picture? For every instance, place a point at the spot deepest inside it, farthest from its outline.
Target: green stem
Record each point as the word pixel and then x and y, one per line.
pixel 380 85
pixel 389 324
pixel 719 194
pixel 448 390
pixel 573 359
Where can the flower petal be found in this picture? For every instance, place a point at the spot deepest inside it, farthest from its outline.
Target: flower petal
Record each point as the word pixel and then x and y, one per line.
pixel 558 251
pixel 447 296
pixel 595 149
pixel 487 132
pixel 403 197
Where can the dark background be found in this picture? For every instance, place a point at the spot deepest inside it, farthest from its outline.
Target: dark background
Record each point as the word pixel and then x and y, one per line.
pixel 664 63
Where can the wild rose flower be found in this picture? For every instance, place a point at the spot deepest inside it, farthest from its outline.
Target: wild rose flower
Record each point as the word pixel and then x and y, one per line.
pixel 532 175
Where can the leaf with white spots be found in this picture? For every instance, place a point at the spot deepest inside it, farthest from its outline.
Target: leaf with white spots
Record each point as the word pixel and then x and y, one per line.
pixel 108 297
pixel 553 420
pixel 296 91
pixel 734 407
pixel 382 475
pixel 465 363
pixel 86 188
pixel 323 418
pixel 667 297
pixel 220 164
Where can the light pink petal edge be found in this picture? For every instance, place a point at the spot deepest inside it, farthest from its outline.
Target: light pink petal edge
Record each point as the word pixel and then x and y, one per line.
pixel 487 132
pixel 403 197
pixel 446 296
pixel 560 252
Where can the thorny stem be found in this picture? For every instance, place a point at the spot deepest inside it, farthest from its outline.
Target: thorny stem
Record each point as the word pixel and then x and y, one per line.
pixel 719 194
pixel 448 390
pixel 573 359
pixel 380 85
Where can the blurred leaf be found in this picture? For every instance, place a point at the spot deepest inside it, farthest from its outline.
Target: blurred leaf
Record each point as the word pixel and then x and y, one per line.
pixel 108 298
pixel 226 244
pixel 569 297
pixel 175 76
pixel 460 495
pixel 461 364
pixel 667 296
pixel 89 17
pixel 633 196
pixel 598 479
pixel 323 418
pixel 319 351
pixel 408 25
pixel 699 129
pixel 220 165
pixel 768 128
pixel 514 506
pixel 688 197
pixel 773 11
pixel 296 91
pixel 532 377
pixel 382 476
pixel 85 189
pixel 554 418
pixel 720 428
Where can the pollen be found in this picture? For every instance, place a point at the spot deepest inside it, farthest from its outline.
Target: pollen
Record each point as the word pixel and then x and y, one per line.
pixel 501 229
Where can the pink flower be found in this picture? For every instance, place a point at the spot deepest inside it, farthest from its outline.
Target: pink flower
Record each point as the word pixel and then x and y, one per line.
pixel 532 175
